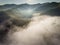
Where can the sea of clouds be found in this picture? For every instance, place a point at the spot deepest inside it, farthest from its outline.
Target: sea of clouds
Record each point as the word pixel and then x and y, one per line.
pixel 41 30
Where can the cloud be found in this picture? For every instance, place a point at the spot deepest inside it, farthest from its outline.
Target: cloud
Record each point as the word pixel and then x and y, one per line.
pixel 30 1
pixel 42 30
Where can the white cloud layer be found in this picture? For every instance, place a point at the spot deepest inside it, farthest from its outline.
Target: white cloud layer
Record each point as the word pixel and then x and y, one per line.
pixel 42 30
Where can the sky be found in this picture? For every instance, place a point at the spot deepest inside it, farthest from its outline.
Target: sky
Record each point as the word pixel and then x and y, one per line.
pixel 26 1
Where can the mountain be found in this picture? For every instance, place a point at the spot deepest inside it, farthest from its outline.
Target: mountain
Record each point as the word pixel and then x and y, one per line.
pixel 3 16
pixel 7 7
pixel 26 11
pixel 53 12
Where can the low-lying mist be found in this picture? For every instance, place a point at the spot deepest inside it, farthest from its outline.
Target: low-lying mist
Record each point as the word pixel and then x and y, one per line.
pixel 41 30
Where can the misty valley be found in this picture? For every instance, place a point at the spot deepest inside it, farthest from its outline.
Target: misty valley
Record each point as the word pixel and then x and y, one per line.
pixel 30 24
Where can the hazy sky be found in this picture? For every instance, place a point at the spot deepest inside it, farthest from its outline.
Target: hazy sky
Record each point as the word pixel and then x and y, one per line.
pixel 25 1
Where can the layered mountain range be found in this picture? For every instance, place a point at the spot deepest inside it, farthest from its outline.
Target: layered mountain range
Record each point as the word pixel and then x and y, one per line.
pixel 26 11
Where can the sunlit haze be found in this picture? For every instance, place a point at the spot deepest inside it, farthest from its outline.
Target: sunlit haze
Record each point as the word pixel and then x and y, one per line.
pixel 26 1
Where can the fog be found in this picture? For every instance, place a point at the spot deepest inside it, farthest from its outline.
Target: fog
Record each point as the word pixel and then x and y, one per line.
pixel 41 30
